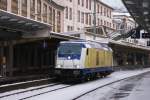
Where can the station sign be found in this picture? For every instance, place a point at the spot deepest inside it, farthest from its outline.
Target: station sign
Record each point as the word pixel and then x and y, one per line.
pixel 145 35
pixel 135 34
pixel 148 43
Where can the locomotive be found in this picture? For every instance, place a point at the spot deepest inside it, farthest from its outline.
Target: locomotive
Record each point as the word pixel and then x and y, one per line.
pixel 83 60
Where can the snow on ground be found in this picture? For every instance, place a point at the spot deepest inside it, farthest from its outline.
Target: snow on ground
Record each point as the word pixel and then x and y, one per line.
pixel 30 93
pixel 141 91
pixel 74 91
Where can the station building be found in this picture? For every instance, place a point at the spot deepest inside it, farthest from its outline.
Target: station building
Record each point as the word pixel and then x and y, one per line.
pixel 78 14
pixel 28 36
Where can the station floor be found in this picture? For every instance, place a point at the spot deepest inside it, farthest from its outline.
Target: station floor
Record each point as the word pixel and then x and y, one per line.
pixel 137 88
pixel 141 91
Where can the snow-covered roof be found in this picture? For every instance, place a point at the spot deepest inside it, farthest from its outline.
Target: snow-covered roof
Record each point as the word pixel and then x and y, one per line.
pixel 121 14
pixel 59 2
pixel 71 33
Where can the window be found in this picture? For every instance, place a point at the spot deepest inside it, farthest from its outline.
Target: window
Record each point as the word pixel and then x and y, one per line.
pixel 98 8
pixel 87 3
pixel 101 22
pixel 39 6
pixel 39 10
pixel 70 13
pixel 90 23
pixel 58 21
pixel 45 13
pixel 50 15
pixel 107 13
pixel 82 2
pixel 24 2
pixel 107 24
pixel 32 4
pixel 110 13
pixel 78 16
pixel 70 49
pixel 82 17
pixel 24 8
pixel 3 4
pixel 14 6
pixel 32 9
pixel 78 2
pixel 90 4
pixel 54 20
pixel 66 12
pixel 98 21
pixel 86 19
pixel 104 11
pixel 101 10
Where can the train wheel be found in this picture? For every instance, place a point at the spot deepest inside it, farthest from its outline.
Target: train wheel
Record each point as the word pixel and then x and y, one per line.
pixel 82 79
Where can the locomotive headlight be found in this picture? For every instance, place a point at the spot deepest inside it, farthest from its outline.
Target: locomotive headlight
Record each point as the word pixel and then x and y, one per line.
pixel 59 66
pixel 77 66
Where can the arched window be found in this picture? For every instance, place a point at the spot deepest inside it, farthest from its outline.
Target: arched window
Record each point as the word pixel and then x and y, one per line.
pixel 14 6
pixel 3 4
pixel 24 8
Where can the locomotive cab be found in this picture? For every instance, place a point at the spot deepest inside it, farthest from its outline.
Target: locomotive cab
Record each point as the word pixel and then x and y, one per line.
pixel 69 55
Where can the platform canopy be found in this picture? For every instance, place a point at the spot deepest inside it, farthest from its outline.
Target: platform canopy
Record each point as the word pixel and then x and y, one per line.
pixel 140 11
pixel 12 25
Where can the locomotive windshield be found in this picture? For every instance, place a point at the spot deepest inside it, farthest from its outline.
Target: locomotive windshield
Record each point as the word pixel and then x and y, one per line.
pixel 70 49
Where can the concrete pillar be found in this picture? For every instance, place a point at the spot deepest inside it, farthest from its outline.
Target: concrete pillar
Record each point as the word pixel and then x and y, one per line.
pixel 10 58
pixel 9 5
pixel 143 60
pixel 42 10
pixel 36 13
pixel 19 7
pixel 125 59
pixel 28 8
pixel 1 56
pixel 135 59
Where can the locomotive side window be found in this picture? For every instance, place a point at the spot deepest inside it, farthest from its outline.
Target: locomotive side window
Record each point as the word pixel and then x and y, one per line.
pixel 87 52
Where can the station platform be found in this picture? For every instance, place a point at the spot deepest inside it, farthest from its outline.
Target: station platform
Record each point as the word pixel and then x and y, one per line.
pixel 10 80
pixel 141 90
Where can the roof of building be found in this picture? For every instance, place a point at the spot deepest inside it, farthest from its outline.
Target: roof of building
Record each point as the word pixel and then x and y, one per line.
pixel 58 3
pixel 105 4
pixel 139 9
pixel 18 24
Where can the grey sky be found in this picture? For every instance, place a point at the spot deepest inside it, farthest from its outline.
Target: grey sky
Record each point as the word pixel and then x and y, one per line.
pixel 115 3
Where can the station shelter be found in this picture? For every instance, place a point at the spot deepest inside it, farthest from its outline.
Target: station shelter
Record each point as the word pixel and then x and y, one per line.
pixel 130 55
pixel 26 46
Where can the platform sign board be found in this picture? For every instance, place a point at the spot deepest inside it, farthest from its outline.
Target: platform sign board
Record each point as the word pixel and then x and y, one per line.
pixel 135 34
pixel 148 43
pixel 146 35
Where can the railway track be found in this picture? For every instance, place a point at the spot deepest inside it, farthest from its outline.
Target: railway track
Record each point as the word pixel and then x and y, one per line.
pixel 35 91
pixel 45 92
pixel 23 85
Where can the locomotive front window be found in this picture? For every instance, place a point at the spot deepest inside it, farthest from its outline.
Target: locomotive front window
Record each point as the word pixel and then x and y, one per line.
pixel 70 48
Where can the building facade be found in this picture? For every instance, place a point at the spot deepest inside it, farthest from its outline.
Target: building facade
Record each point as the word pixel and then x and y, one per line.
pixel 78 14
pixel 124 23
pixel 46 11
